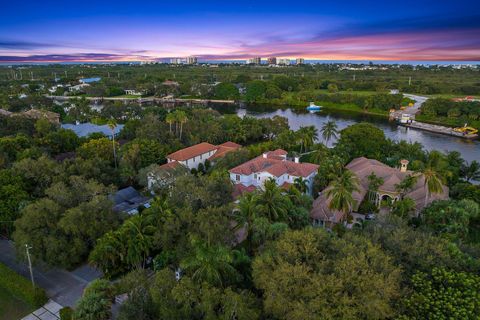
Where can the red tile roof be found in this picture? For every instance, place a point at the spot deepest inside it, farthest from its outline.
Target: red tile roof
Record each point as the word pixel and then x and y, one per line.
pixel 225 148
pixel 230 144
pixel 193 151
pixel 275 166
pixel 202 148
pixel 170 165
pixel 240 189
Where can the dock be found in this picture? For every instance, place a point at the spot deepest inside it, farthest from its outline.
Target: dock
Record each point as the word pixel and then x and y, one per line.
pixel 437 129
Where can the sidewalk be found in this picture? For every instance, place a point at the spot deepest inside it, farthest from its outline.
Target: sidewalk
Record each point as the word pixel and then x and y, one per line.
pixel 50 311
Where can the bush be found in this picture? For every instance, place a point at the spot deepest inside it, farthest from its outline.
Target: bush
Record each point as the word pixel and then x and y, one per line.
pixel 66 313
pixel 20 287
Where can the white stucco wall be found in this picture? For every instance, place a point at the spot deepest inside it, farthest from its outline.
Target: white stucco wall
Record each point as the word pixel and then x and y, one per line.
pixel 193 163
pixel 261 177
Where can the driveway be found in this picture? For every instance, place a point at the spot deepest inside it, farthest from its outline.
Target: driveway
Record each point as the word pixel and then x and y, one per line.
pixel 62 286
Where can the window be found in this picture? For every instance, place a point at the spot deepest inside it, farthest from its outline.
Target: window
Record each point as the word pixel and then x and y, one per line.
pixel 255 176
pixel 237 177
pixel 186 162
pixel 201 156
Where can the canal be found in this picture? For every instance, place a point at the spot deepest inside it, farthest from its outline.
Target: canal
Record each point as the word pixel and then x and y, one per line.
pixel 470 150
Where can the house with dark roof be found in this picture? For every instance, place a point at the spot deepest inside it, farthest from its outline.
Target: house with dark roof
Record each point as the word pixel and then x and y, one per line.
pixel 128 200
pixel 195 155
pixel 271 165
pixel 388 192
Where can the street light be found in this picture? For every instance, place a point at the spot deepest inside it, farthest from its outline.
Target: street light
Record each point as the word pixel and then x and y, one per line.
pixel 27 248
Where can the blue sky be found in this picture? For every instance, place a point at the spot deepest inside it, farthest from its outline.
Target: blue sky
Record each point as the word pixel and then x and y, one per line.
pixel 126 30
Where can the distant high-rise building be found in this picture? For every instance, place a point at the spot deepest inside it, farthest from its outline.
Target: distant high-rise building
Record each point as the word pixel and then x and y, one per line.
pixel 176 61
pixel 300 61
pixel 272 60
pixel 283 62
pixel 254 60
pixel 191 60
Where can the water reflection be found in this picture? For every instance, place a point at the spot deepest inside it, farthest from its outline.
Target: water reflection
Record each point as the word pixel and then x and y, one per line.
pixel 470 150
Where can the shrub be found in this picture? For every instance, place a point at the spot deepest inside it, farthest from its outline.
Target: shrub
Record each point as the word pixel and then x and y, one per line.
pixel 20 287
pixel 66 313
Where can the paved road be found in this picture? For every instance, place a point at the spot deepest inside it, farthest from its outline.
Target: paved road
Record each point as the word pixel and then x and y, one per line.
pixel 62 286
pixel 419 100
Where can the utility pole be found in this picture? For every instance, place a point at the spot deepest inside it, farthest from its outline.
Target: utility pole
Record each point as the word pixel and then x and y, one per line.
pixel 354 77
pixel 66 76
pixel 409 81
pixel 27 248
pixel 31 73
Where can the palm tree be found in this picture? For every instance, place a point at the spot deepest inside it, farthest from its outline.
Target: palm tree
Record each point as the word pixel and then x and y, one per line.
pixel 374 182
pixel 210 263
pixel 406 185
pixel 307 137
pixel 112 124
pixel 140 239
pixel 311 134
pixel 329 130
pixel 471 171
pixel 181 117
pixel 271 202
pixel 170 119
pixel 301 184
pixel 433 182
pixel 247 213
pixel 340 191
pixel 318 154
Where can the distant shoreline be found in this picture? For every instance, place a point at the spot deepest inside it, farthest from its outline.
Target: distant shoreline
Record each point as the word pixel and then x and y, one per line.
pixel 307 61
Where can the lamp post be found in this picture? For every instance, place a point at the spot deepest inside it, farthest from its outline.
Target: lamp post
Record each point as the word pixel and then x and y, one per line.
pixel 27 248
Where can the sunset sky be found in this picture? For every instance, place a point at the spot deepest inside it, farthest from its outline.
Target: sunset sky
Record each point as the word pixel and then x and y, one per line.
pixel 41 31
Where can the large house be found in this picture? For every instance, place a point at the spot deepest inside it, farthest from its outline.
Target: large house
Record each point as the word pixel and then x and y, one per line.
pixel 362 167
pixel 271 165
pixel 193 156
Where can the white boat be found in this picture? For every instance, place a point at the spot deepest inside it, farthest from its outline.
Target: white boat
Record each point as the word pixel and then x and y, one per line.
pixel 313 107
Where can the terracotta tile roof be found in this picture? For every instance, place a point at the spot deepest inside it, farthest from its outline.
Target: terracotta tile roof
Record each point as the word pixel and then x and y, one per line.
pixel 193 151
pixel 362 168
pixel 240 189
pixel 230 144
pixel 286 185
pixel 204 147
pixel 224 148
pixel 321 211
pixel 169 165
pixel 275 166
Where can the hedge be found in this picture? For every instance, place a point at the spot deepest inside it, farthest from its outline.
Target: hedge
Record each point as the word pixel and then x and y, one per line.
pixel 21 287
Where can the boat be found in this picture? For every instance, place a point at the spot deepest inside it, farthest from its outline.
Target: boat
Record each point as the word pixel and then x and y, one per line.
pixel 313 107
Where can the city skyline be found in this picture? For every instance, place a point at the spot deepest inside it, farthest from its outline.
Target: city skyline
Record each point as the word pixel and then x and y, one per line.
pixel 122 31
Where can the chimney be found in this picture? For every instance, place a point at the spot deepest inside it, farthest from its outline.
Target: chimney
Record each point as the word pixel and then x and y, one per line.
pixel 297 159
pixel 265 155
pixel 404 165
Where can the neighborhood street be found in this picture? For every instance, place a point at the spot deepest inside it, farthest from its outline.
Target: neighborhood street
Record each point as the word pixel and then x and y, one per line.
pixel 62 286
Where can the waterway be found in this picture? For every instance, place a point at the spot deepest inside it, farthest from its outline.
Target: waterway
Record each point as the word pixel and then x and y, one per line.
pixel 470 150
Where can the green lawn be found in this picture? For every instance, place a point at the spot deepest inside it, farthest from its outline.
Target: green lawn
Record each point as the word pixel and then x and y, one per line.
pixel 17 296
pixel 12 308
pixel 357 92
pixel 450 95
